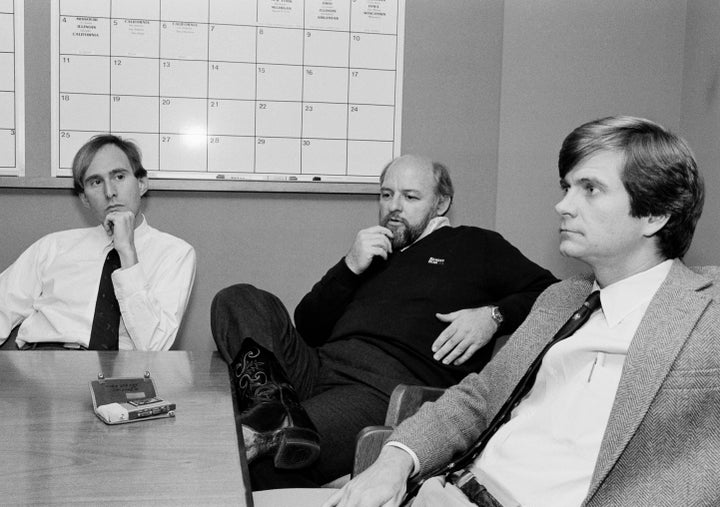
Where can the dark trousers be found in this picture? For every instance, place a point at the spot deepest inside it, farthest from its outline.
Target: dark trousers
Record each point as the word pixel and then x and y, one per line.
pixel 337 406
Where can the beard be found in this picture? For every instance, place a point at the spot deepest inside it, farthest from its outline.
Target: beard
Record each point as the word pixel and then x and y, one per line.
pixel 404 234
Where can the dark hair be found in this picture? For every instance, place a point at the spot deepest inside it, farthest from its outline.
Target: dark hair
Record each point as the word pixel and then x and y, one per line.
pixel 85 155
pixel 443 183
pixel 659 173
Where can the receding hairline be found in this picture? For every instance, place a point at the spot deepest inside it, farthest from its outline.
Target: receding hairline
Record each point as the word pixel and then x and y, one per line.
pixel 413 161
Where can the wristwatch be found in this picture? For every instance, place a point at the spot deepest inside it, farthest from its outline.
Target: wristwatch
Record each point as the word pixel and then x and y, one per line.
pixel 496 315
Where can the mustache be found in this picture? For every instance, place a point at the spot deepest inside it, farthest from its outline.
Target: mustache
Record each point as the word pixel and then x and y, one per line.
pixel 394 216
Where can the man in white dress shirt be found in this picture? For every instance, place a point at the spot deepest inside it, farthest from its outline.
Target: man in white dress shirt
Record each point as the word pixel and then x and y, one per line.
pixel 625 410
pixel 50 291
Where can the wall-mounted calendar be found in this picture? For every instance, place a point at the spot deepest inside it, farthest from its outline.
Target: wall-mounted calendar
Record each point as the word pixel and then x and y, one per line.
pixel 286 90
pixel 12 89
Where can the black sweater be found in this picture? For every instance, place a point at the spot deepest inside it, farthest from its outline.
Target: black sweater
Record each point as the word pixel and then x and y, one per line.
pixel 377 327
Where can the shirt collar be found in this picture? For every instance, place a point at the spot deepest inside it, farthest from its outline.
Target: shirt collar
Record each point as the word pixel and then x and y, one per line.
pixel 433 225
pixel 143 228
pixel 621 298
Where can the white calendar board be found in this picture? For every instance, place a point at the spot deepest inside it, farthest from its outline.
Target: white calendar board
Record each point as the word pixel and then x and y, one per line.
pixel 286 90
pixel 12 88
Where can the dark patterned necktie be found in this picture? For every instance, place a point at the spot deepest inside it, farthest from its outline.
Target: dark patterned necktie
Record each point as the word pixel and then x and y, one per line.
pixel 106 322
pixel 462 477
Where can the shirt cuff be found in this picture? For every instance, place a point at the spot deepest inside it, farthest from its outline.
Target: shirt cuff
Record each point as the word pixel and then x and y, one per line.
pixel 416 461
pixel 128 281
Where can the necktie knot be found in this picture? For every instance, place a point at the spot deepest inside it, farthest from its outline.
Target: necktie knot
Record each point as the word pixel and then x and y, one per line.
pixel 591 304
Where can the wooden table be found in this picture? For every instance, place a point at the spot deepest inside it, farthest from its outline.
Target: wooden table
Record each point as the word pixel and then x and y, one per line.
pixel 54 450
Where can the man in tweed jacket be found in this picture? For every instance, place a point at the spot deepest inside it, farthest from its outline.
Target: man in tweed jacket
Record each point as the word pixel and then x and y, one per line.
pixel 627 410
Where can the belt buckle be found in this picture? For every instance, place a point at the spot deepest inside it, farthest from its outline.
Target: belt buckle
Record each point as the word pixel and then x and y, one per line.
pixel 475 492
pixel 461 477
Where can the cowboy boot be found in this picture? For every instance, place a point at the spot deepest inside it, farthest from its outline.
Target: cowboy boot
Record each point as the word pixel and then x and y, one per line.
pixel 272 419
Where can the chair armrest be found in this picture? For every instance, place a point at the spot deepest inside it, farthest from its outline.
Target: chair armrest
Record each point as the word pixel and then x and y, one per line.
pixel 404 402
pixel 368 445
pixel 407 399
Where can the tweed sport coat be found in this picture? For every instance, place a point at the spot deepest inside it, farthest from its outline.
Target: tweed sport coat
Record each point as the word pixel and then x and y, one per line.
pixel 662 442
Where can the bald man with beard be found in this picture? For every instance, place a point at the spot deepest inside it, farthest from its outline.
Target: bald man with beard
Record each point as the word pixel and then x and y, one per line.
pixel 414 301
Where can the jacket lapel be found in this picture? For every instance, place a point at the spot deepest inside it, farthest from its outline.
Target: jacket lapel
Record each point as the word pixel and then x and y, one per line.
pixel 667 324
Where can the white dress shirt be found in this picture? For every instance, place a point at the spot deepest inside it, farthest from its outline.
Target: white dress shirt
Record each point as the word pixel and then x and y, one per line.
pixel 52 288
pixel 545 455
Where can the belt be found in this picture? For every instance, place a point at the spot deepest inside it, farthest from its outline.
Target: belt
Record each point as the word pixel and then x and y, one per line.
pixel 466 482
pixel 52 346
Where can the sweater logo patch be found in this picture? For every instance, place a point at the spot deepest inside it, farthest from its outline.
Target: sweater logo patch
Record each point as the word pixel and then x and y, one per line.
pixel 436 261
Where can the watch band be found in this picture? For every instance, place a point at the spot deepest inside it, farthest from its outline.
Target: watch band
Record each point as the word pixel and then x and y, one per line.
pixel 496 315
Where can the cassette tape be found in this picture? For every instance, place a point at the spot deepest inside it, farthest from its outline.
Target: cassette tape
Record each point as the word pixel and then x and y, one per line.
pixel 118 400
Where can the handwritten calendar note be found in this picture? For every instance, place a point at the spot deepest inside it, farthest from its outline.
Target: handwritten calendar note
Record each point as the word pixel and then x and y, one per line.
pixel 306 90
pixel 12 89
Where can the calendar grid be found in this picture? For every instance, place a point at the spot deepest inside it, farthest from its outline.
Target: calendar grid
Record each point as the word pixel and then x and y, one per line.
pixel 110 76
pixel 12 117
pixel 7 161
pixel 279 99
pixel 255 101
pixel 207 84
pixel 303 105
pixel 347 118
pixel 159 102
pixel 398 64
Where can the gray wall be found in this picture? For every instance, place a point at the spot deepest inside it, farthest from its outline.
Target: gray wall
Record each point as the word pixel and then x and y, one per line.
pixel 490 88
pixel 566 62
pixel 700 120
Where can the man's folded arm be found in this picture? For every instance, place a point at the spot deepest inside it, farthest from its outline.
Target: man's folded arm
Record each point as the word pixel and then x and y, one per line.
pixel 152 307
